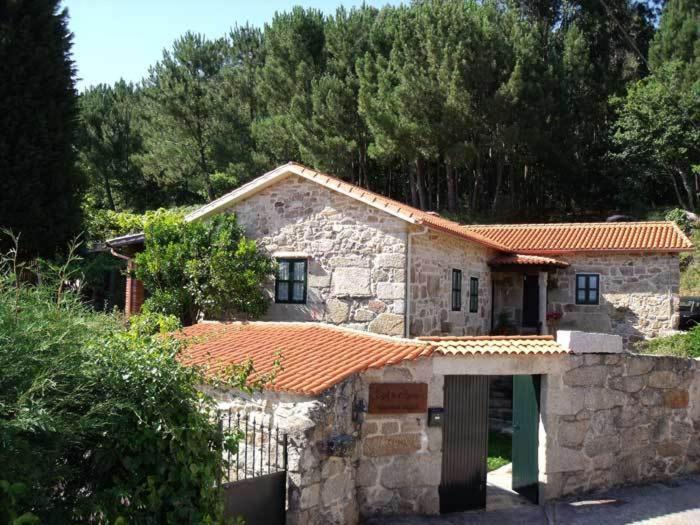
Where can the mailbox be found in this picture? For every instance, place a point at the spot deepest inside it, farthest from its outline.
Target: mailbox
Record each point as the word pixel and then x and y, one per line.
pixel 435 416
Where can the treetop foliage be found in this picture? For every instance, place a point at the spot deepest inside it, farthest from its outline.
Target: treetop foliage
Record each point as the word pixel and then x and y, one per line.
pixel 491 110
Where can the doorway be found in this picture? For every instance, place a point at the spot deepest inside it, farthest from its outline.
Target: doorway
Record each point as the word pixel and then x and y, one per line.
pixel 531 302
pixel 469 438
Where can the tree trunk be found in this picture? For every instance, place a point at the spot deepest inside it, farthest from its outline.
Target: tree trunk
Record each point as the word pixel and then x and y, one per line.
pixel 420 184
pixel 687 185
pixel 451 187
pixel 108 191
pixel 205 172
pixel 499 179
pixel 477 176
pixel 412 188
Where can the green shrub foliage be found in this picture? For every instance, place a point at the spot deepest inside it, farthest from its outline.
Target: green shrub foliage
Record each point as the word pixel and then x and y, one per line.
pixel 202 267
pixel 681 345
pixel 97 424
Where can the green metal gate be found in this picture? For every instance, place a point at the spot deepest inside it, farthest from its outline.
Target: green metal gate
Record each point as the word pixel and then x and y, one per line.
pixel 526 422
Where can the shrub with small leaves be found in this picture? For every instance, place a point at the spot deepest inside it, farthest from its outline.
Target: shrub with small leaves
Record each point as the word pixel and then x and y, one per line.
pixel 202 268
pixel 99 424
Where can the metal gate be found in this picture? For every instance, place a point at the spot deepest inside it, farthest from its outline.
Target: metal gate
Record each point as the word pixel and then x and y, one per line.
pixel 526 422
pixel 255 480
pixel 465 443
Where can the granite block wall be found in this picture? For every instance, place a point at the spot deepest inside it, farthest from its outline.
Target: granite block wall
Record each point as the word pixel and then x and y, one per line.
pixel 433 257
pixel 356 254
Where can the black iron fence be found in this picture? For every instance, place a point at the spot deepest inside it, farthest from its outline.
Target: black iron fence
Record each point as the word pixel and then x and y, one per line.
pixel 262 447
pixel 255 478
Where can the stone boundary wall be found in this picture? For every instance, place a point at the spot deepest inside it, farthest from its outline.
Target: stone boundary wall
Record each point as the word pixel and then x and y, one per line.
pixel 321 478
pixel 606 420
pixel 399 456
pixel 433 257
pixel 639 295
pixel 616 419
pixel 356 254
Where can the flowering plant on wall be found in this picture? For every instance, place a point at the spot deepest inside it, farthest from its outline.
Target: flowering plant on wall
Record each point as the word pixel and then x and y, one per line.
pixel 553 316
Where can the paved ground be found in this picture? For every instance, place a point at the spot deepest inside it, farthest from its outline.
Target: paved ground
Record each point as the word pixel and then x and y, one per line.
pixel 669 503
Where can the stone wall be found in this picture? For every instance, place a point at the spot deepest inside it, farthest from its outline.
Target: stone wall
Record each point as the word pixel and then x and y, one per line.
pixel 616 419
pixel 606 420
pixel 399 456
pixel 321 477
pixel 639 295
pixel 433 257
pixel 356 254
pixel 507 301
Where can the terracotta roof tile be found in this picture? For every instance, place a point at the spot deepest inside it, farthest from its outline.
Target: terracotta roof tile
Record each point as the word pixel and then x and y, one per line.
pixel 316 356
pixel 517 259
pixel 495 345
pixel 556 238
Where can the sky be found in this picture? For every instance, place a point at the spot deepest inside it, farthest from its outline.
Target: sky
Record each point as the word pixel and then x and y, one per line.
pixel 116 39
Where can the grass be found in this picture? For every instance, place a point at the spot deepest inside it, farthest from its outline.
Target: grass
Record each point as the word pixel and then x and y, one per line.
pixel 681 345
pixel 499 450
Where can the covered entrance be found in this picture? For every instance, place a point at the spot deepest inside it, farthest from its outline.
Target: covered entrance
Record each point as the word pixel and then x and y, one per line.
pixel 520 293
pixel 465 481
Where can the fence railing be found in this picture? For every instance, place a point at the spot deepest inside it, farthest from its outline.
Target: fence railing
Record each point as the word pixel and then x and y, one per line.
pixel 262 448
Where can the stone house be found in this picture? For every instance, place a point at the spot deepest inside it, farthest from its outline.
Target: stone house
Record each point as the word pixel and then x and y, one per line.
pixel 382 313
pixel 353 258
pixel 602 417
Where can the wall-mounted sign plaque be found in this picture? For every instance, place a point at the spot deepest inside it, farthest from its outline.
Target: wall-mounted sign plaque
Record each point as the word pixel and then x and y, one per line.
pixel 398 398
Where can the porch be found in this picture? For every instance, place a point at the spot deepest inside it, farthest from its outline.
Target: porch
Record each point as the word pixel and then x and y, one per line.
pixel 519 287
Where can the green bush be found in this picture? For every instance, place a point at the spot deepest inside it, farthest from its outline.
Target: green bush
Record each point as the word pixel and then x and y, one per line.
pixel 680 217
pixel 97 424
pixel 202 267
pixel 682 345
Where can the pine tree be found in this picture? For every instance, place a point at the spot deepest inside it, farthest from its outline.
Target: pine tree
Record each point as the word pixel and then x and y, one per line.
pixel 187 117
pixel 109 142
pixel 39 186
pixel 294 56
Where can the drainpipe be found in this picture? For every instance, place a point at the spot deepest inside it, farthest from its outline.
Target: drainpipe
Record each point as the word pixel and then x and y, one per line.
pixel 134 296
pixel 407 295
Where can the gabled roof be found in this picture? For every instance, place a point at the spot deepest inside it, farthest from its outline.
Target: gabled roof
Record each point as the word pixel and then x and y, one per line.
pixel 392 207
pixel 558 238
pixel 316 356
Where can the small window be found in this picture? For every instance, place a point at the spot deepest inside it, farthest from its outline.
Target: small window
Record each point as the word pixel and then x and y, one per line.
pixel 587 288
pixel 290 286
pixel 456 290
pixel 473 295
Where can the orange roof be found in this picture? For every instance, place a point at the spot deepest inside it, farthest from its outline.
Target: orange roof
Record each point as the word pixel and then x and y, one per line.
pixel 396 208
pixel 526 260
pixel 316 356
pixel 587 237
pixel 534 344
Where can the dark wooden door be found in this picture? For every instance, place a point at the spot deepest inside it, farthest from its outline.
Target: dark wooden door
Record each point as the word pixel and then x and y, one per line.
pixel 464 443
pixel 531 302
pixel 526 423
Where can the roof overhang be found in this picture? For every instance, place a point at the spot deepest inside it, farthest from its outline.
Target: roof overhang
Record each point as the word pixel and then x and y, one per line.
pixel 521 262
pixel 131 239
